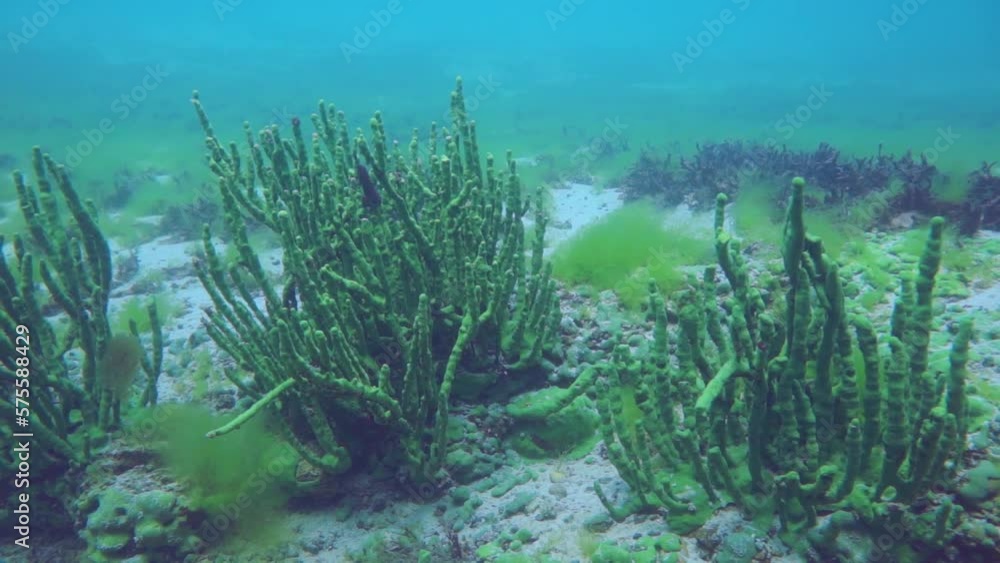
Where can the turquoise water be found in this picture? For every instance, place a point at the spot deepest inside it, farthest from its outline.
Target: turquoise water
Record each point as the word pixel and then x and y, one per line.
pixel 105 89
pixel 656 66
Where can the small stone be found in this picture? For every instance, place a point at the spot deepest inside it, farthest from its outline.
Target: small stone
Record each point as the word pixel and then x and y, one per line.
pixel 547 511
pixel 519 504
pixel 599 523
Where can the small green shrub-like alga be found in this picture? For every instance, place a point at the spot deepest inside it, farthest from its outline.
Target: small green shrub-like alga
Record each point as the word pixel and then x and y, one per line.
pixel 243 476
pixel 625 250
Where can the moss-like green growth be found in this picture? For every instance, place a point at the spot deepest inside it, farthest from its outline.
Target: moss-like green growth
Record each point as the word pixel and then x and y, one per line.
pixel 626 249
pixel 571 431
pixel 832 229
pixel 117 367
pixel 126 229
pixel 952 184
pixel 240 481
pixel 870 299
pixel 135 310
pixel 150 526
pixel 588 542
pixel 963 260
pixel 649 549
pixel 982 483
pixel 988 391
pixel 877 269
pixel 507 548
pixel 872 208
pixel 756 215
pixel 201 367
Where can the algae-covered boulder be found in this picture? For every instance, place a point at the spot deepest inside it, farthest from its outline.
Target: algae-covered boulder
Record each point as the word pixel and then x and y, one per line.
pixel 149 526
pixel 982 483
pixel 648 549
pixel 465 467
pixel 572 430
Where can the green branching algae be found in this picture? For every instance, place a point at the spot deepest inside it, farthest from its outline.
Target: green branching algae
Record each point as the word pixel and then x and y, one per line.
pixel 762 404
pixel 403 270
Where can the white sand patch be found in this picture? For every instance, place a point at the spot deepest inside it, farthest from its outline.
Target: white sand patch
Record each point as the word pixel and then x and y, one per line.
pixel 696 224
pixel 578 206
pixel 153 220
pixel 985 300
pixel 575 207
pixel 10 208
pixel 161 253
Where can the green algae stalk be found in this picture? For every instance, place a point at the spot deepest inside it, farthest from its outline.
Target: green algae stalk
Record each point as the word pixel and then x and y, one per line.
pixel 826 442
pixel 400 275
pixel 252 411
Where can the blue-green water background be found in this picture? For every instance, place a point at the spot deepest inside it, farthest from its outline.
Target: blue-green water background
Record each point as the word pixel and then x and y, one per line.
pixel 543 76
pixel 104 85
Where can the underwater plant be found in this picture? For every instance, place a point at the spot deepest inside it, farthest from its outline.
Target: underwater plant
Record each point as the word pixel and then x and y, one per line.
pixel 119 364
pixel 866 190
pixel 775 417
pixel 402 273
pixel 651 176
pixel 624 249
pixel 215 473
pixel 67 416
pixel 186 220
pixel 134 310
pixel 762 404
pixel 981 210
pixel 74 263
